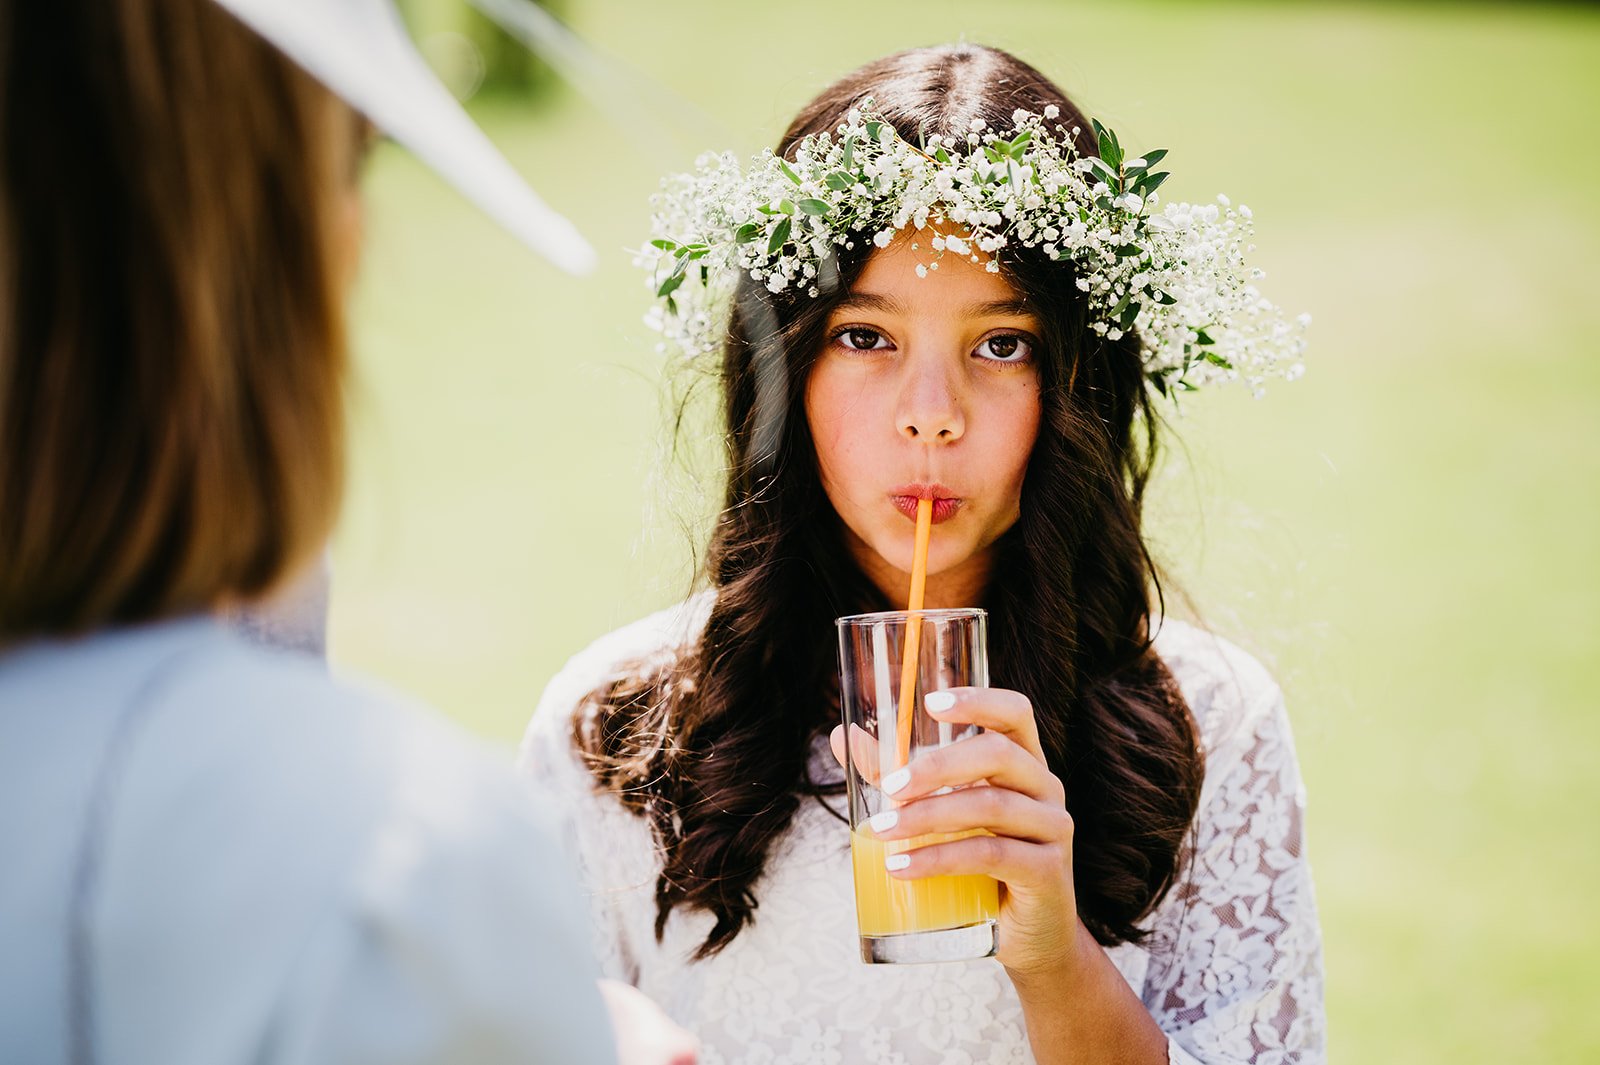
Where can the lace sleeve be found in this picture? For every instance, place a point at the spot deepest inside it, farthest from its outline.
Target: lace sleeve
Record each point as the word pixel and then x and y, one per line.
pixel 593 829
pixel 1236 958
pixel 613 847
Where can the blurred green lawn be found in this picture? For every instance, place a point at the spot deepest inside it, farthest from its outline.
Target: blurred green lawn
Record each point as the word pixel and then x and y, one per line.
pixel 1409 535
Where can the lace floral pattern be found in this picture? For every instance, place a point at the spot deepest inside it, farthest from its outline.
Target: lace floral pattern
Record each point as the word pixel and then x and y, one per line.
pixel 1232 970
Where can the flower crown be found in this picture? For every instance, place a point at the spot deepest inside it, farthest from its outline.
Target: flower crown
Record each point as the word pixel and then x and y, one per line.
pixel 1176 278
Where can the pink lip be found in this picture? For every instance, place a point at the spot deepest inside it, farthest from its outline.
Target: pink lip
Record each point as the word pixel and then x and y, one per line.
pixel 945 502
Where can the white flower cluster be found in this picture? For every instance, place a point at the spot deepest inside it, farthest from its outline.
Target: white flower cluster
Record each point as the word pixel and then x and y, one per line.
pixel 1175 278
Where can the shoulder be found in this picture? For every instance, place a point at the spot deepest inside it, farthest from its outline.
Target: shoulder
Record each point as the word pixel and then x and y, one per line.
pixel 252 781
pixel 297 720
pixel 274 743
pixel 610 658
pixel 1229 692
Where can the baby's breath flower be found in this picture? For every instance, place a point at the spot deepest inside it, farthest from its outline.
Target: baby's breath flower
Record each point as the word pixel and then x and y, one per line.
pixel 1174 278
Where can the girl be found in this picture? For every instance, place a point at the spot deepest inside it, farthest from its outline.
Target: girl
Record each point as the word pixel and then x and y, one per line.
pixel 940 292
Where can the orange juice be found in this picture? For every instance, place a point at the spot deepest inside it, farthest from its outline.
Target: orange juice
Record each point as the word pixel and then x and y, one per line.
pixel 886 906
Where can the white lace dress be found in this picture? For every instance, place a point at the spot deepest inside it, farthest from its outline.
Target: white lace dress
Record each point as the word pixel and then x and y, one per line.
pixel 1232 970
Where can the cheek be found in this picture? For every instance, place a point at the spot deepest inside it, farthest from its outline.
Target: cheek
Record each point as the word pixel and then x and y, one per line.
pixel 1017 442
pixel 833 413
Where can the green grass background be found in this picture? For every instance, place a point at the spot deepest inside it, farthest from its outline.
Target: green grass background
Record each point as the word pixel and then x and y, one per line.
pixel 1409 535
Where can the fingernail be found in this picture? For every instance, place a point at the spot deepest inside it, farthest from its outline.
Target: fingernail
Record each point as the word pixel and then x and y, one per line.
pixel 896 781
pixel 938 702
pixel 884 821
pixel 896 862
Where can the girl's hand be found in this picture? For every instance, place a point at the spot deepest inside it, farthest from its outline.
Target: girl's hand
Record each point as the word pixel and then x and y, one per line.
pixel 1028 847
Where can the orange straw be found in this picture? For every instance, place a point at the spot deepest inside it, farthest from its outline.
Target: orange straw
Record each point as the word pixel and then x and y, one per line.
pixel 913 648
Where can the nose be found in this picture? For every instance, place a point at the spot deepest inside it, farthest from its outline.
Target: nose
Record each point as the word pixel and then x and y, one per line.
pixel 931 407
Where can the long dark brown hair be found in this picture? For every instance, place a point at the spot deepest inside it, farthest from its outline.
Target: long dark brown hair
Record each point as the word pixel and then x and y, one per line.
pixel 710 742
pixel 176 228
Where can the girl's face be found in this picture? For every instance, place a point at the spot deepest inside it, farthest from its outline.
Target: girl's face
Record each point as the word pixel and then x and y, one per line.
pixel 926 386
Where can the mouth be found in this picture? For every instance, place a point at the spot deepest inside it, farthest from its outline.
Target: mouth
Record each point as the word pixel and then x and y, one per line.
pixel 945 502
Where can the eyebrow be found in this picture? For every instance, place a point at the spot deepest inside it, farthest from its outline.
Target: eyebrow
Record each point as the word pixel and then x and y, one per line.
pixel 871 301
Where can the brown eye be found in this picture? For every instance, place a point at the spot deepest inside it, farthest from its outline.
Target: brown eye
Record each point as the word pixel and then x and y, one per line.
pixel 1006 347
pixel 861 339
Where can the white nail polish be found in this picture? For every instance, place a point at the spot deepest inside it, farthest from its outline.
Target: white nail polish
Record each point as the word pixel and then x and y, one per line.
pixel 896 861
pixel 938 702
pixel 896 781
pixel 884 821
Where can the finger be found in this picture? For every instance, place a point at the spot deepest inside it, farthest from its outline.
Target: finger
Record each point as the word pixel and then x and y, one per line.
pixel 1011 861
pixel 863 751
pixel 988 756
pixel 1000 811
pixel 1001 710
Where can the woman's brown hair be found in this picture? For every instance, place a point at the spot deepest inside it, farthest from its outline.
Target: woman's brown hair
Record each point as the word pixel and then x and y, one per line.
pixel 711 745
pixel 175 220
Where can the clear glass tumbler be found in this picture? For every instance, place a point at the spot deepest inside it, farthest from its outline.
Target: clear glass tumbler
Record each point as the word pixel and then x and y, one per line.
pixel 939 918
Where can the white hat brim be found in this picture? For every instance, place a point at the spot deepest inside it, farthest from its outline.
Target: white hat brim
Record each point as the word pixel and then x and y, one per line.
pixel 359 49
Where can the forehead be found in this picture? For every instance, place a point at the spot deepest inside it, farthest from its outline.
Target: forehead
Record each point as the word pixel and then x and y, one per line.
pixel 957 281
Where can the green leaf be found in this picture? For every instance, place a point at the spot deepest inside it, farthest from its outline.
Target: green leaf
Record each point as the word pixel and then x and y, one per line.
pixel 672 306
pixel 839 181
pixel 1203 337
pixel 664 244
pixel 670 284
pixel 1166 299
pixel 1019 142
pixel 1129 316
pixel 1105 170
pixel 815 207
pixel 787 171
pixel 766 208
pixel 1217 360
pixel 849 155
pixel 786 207
pixel 941 155
pixel 1152 158
pixel 873 126
pixel 682 250
pixel 1110 150
pixel 779 236
pixel 1151 182
pixel 746 233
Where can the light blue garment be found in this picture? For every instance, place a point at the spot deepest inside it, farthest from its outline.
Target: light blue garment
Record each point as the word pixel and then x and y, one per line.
pixel 288 869
pixel 294 619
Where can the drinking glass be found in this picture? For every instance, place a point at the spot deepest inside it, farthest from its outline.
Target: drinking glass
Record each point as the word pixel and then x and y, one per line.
pixel 936 918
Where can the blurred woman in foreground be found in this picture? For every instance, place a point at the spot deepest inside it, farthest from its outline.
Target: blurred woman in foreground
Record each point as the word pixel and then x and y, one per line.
pixel 215 853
